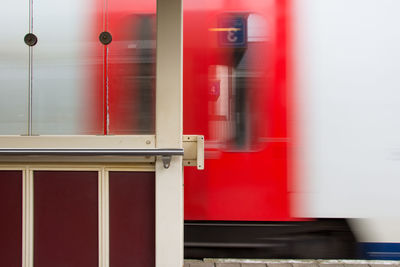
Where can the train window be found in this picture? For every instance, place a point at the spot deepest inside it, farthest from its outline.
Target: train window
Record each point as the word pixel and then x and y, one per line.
pixel 235 88
pixel 220 103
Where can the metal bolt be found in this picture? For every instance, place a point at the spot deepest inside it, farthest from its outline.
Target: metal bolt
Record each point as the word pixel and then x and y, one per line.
pixel 30 39
pixel 105 38
pixel 148 142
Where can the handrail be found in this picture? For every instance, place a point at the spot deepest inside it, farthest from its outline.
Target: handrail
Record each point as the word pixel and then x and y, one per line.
pixel 165 153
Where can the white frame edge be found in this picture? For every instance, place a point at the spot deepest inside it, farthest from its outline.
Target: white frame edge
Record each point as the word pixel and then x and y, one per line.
pixel 169 182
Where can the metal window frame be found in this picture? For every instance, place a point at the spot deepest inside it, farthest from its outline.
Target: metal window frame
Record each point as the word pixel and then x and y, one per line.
pixel 169 181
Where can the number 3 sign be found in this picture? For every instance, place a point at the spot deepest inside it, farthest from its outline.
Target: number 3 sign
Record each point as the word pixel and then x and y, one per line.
pixel 233 31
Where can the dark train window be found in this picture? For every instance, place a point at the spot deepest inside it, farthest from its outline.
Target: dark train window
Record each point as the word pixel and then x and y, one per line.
pixel 236 87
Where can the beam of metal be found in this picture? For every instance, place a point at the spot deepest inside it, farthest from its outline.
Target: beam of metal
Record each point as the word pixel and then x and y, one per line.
pixel 169 130
pixel 91 152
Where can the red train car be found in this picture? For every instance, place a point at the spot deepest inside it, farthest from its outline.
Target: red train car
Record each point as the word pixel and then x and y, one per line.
pixel 237 94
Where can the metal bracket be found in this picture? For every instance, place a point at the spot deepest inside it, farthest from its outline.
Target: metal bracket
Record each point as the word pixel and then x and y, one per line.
pixel 166 159
pixel 194 151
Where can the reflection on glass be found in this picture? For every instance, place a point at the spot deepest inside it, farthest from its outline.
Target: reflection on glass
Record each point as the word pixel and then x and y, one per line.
pixel 131 68
pixel 65 60
pixel 14 67
pixel 83 87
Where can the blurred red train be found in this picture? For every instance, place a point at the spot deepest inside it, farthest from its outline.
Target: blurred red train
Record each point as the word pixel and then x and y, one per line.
pixel 275 88
pixel 236 94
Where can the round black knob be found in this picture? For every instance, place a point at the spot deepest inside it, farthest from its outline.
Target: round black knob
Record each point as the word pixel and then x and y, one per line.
pixel 105 38
pixel 30 39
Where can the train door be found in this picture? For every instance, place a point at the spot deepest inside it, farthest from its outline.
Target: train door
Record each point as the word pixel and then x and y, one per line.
pixel 83 181
pixel 235 75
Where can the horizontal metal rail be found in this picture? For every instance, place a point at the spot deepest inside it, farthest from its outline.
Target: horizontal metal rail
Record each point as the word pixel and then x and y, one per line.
pixel 92 151
pixel 165 153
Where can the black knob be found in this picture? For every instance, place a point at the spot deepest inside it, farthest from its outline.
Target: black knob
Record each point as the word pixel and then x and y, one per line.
pixel 30 39
pixel 105 38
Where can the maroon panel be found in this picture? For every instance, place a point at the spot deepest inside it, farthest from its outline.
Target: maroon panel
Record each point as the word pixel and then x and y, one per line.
pixel 65 218
pixel 11 219
pixel 132 219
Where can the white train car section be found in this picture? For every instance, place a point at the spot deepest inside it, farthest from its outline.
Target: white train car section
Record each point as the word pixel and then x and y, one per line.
pixel 346 75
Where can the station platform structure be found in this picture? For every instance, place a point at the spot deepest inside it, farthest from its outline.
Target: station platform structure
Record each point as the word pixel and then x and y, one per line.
pixel 288 263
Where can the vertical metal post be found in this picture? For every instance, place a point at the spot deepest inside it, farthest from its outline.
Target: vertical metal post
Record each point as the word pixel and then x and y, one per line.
pixel 30 75
pixel 27 219
pixel 169 182
pixel 104 218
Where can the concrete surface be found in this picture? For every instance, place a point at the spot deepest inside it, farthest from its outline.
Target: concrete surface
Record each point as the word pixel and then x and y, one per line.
pixel 288 263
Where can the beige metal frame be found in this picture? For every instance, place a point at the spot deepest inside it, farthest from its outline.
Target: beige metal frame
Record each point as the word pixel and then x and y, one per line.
pixel 27 218
pixel 169 181
pixel 104 224
pixel 78 141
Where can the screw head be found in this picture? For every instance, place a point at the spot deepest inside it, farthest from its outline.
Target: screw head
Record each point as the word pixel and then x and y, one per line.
pixel 105 38
pixel 30 39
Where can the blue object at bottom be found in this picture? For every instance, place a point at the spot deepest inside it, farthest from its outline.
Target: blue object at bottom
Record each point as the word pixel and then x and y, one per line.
pixel 380 251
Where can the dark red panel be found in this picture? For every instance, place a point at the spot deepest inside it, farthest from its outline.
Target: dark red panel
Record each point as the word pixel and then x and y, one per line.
pixel 65 219
pixel 132 219
pixel 11 221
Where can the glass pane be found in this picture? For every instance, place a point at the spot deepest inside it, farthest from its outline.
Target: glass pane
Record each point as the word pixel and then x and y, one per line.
pixel 131 67
pixel 11 221
pixel 14 67
pixel 132 219
pixel 67 67
pixel 66 218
